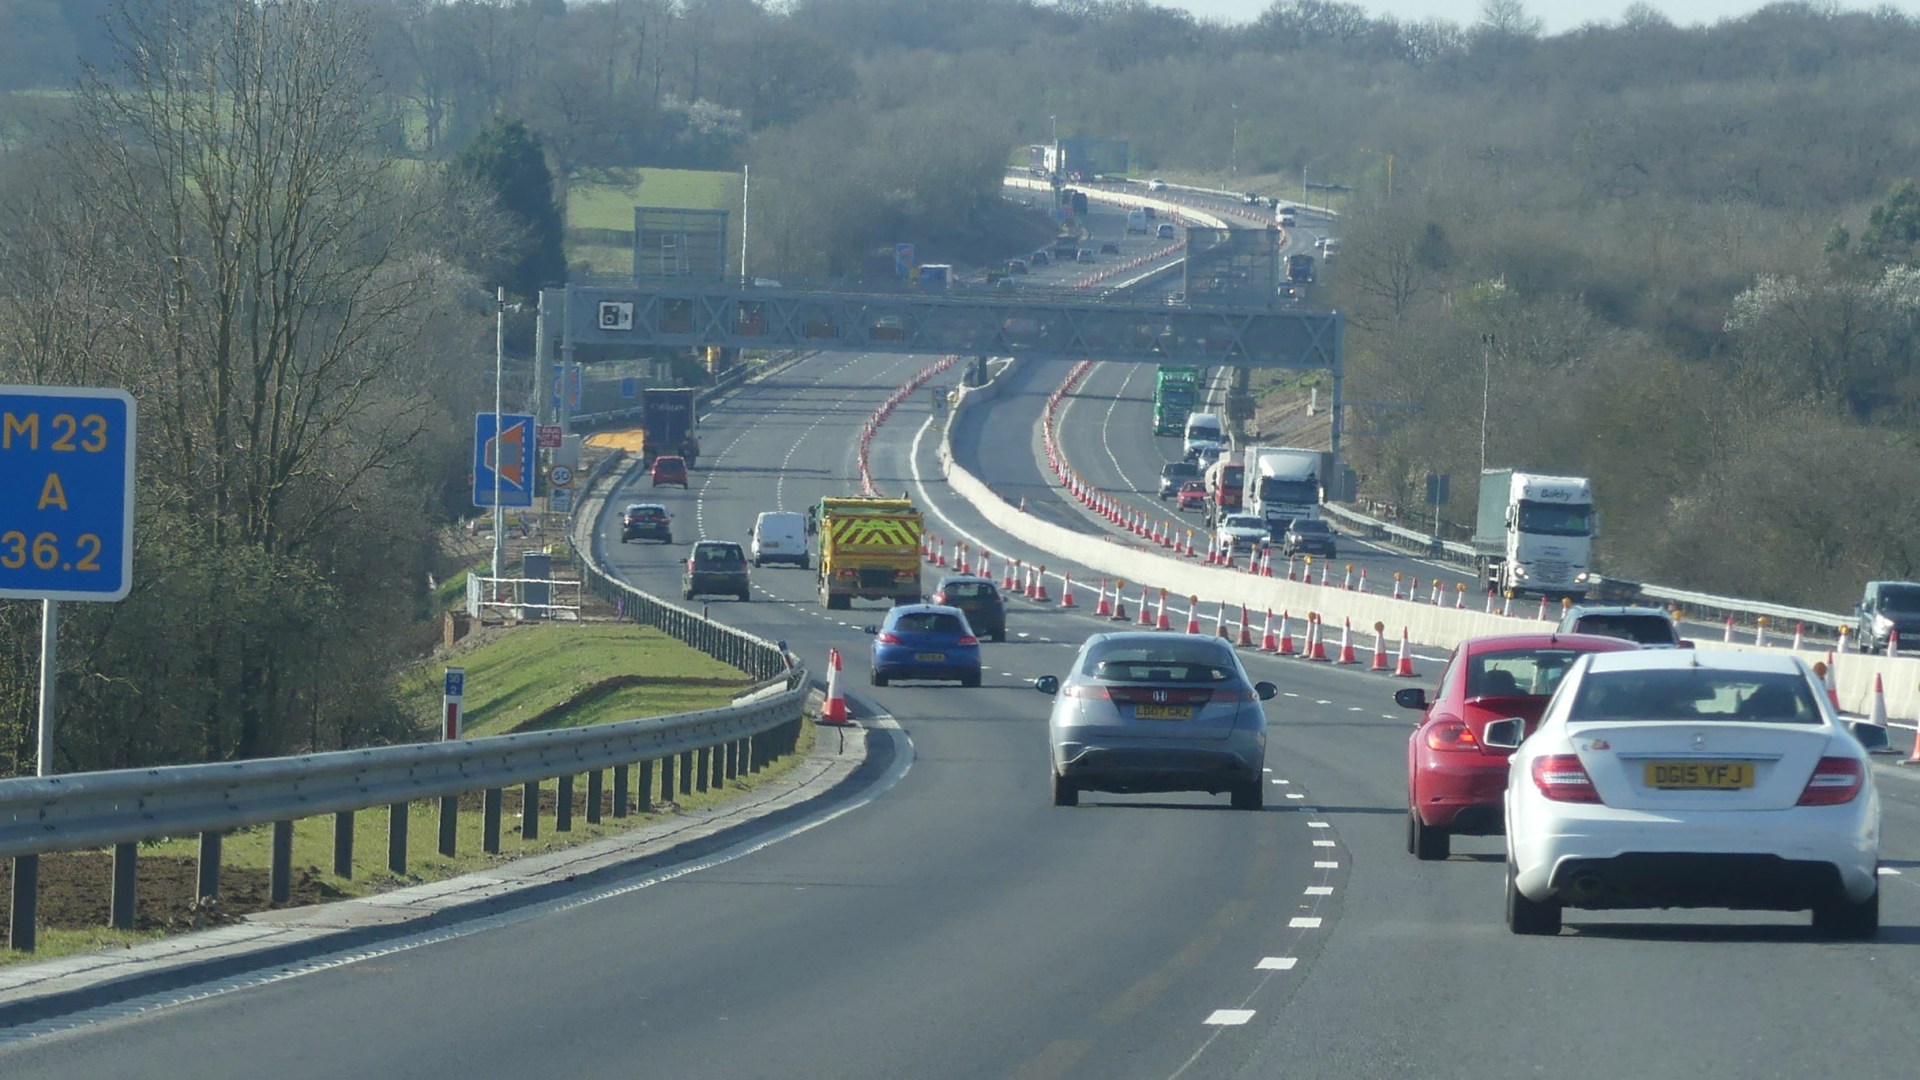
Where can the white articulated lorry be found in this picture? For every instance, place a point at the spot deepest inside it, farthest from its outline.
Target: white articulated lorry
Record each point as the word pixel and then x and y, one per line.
pixel 1282 483
pixel 1534 534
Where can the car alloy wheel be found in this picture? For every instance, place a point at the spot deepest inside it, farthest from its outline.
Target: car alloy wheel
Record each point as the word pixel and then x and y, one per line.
pixel 1530 917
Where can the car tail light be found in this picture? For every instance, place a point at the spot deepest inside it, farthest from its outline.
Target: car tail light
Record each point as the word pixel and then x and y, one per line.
pixel 1835 780
pixel 1562 778
pixel 1452 735
pixel 888 637
pixel 1088 692
pixel 967 639
pixel 939 598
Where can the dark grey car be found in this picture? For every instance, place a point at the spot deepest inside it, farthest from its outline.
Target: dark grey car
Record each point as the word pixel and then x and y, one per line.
pixel 1175 473
pixel 1148 712
pixel 1889 607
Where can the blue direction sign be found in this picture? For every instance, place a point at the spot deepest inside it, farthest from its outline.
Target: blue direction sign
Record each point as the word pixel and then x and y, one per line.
pixel 66 493
pixel 504 450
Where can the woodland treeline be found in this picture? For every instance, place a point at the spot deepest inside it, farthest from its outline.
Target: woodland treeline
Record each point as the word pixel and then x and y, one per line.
pixel 1680 260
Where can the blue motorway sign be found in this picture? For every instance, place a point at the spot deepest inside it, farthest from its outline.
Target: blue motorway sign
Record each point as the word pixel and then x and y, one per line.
pixel 66 493
pixel 511 445
pixel 456 682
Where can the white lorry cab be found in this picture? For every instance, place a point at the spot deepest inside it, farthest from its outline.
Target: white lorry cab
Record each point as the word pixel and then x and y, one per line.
pixel 1534 533
pixel 1137 221
pixel 1203 429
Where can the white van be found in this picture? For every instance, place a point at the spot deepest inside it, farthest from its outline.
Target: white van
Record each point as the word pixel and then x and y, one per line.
pixel 1137 221
pixel 779 536
pixel 1203 429
pixel 1166 231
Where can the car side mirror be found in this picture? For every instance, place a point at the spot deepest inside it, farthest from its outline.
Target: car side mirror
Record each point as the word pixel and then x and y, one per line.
pixel 1047 684
pixel 1686 643
pixel 870 629
pixel 1266 691
pixel 1504 734
pixel 1872 737
pixel 1413 697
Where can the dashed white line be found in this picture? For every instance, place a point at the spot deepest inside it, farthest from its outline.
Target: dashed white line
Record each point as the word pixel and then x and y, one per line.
pixel 1318 890
pixel 1324 843
pixel 1326 866
pixel 1229 1017
pixel 1318 825
pixel 1295 795
pixel 1304 922
pixel 1276 963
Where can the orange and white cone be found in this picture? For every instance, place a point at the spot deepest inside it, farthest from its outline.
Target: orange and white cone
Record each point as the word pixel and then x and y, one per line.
pixel 1877 716
pixel 1268 643
pixel 1799 635
pixel 1727 635
pixel 1246 636
pixel 1193 615
pixel 1066 591
pixel 1833 688
pixel 1007 582
pixel 1146 612
pixel 1404 670
pixel 1119 605
pixel 1379 649
pixel 1220 621
pixel 1286 635
pixel 1101 607
pixel 1160 620
pixel 1460 598
pixel 1543 609
pixel 1346 643
pixel 835 710
pixel 1040 587
pixel 1316 631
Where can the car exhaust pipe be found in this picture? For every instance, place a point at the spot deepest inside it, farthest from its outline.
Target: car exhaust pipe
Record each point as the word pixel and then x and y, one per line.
pixel 1589 885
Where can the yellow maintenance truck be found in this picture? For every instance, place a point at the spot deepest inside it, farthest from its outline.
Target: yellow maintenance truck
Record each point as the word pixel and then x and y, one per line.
pixel 869 548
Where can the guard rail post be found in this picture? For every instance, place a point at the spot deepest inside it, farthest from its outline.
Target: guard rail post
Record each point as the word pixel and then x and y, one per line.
pixel 686 773
pixel 449 825
pixel 207 886
pixel 646 786
pixel 120 903
pixel 563 804
pixel 705 769
pixel 397 839
pixel 490 820
pixel 279 872
pixel 620 782
pixel 666 780
pixel 530 810
pixel 24 919
pixel 343 844
pixel 595 789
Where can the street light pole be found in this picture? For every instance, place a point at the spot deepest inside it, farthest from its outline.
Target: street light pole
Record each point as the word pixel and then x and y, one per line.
pixel 1233 155
pixel 499 361
pixel 1486 394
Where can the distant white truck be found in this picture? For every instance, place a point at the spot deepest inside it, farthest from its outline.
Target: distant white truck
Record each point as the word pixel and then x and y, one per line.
pixel 1282 483
pixel 1534 534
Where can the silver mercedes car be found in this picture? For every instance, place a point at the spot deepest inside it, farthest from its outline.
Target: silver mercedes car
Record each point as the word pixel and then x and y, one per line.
pixel 1149 711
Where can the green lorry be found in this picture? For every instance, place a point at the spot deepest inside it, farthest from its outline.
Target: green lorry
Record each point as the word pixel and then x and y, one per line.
pixel 1175 391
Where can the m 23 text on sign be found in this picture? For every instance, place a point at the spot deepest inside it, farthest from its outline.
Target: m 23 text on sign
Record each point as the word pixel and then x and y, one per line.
pixel 66 493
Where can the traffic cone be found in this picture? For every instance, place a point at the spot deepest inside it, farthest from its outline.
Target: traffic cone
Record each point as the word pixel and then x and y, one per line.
pixel 1193 616
pixel 1379 649
pixel 1397 595
pixel 1506 609
pixel 1460 598
pixel 1346 643
pixel 1040 587
pixel 1404 670
pixel 1436 592
pixel 1220 621
pixel 1316 633
pixel 1728 635
pixel 1799 635
pixel 1286 635
pixel 1188 551
pixel 1363 581
pixel 1877 716
pixel 835 710
pixel 1160 620
pixel 1760 632
pixel 1833 688
pixel 1268 643
pixel 1290 575
pixel 1266 563
pixel 1007 584
pixel 1893 642
pixel 1348 583
pixel 940 554
pixel 1101 607
pixel 1543 609
pixel 1119 606
pixel 1489 601
pixel 1323 575
pixel 1246 637
pixel 1066 591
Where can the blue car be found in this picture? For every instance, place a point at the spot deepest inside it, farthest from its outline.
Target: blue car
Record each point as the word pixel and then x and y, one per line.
pixel 925 641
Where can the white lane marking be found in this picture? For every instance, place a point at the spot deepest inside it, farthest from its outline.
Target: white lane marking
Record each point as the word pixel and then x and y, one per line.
pixel 1288 693
pixel 1230 1017
pixel 1326 866
pixel 1295 795
pixel 1269 768
pixel 1324 843
pixel 1322 701
pixel 1275 963
pixel 1304 922
pixel 1318 890
pixel 1283 781
pixel 1318 825
pixel 1356 708
pixel 1888 871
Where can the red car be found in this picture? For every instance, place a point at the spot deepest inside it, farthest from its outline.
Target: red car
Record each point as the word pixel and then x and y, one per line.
pixel 1193 495
pixel 1455 783
pixel 669 470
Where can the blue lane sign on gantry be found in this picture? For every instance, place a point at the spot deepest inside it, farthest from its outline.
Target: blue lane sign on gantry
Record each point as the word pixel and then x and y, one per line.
pixel 66 493
pixel 511 444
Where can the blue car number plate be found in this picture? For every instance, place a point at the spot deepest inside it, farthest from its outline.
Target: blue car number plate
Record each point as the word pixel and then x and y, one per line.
pixel 930 656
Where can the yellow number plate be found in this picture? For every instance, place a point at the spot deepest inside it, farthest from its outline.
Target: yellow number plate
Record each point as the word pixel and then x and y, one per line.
pixel 1163 712
pixel 1700 775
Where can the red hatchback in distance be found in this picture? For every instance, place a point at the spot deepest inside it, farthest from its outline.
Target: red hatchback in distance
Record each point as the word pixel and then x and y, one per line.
pixel 1193 495
pixel 669 470
pixel 1455 783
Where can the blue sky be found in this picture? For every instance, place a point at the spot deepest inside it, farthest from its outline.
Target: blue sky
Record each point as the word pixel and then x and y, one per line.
pixel 1564 15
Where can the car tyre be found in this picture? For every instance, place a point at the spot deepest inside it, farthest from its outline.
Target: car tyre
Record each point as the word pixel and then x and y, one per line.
pixel 1250 796
pixel 745 595
pixel 1065 791
pixel 1844 920
pixel 970 680
pixel 1430 842
pixel 876 678
pixel 1000 635
pixel 1530 917
pixel 686 594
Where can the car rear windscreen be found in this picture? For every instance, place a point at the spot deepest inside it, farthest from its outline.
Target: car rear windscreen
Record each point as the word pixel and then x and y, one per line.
pixel 1644 629
pixel 1696 694
pixel 931 622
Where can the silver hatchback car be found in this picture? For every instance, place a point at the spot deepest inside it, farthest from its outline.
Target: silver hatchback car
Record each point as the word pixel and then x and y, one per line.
pixel 1146 711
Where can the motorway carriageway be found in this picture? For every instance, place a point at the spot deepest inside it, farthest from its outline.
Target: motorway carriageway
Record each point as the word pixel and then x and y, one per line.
pixel 961 926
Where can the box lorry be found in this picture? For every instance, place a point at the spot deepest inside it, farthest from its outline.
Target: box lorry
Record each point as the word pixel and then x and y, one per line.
pixel 667 424
pixel 869 548
pixel 1175 391
pixel 1224 478
pixel 1534 533
pixel 1282 483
